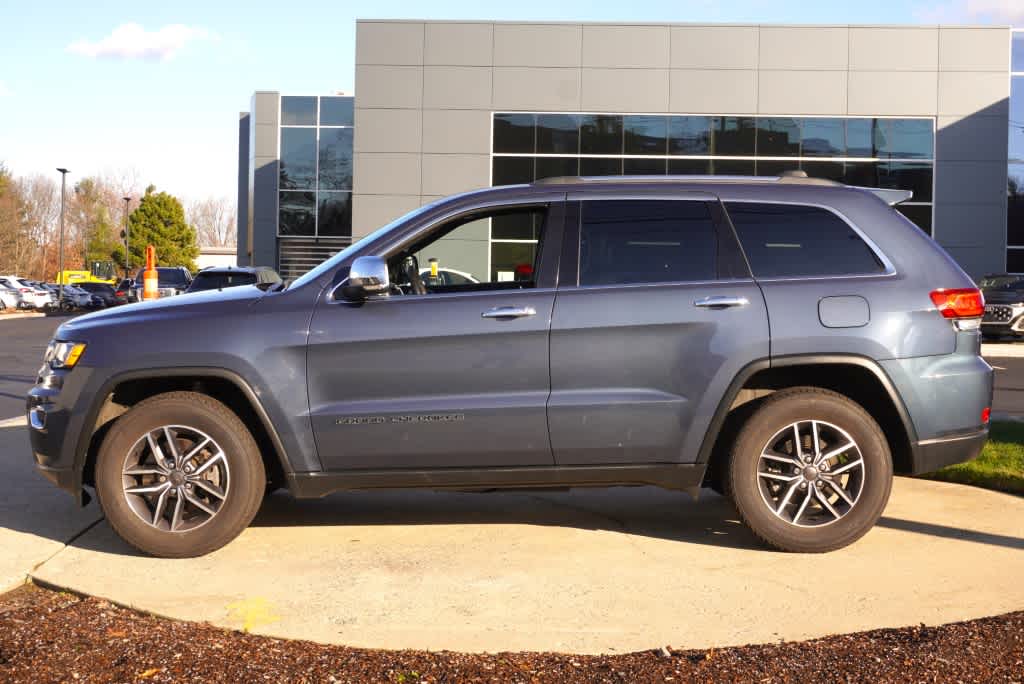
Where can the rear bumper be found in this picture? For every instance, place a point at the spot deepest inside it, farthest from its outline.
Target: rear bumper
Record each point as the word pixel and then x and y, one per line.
pixel 932 454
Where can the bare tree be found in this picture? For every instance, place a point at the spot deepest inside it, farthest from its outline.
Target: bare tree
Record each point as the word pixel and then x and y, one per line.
pixel 40 218
pixel 214 221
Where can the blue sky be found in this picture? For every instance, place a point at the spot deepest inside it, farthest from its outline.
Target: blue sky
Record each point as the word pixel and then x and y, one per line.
pixel 80 89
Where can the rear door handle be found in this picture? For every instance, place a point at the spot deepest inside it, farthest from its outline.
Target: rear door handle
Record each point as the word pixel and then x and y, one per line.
pixel 510 312
pixel 720 302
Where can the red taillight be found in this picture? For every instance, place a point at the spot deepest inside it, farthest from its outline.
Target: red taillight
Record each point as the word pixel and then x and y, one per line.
pixel 986 413
pixel 966 302
pixel 24 289
pixel 119 293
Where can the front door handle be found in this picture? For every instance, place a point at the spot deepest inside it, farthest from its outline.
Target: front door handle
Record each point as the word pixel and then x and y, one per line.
pixel 510 312
pixel 720 302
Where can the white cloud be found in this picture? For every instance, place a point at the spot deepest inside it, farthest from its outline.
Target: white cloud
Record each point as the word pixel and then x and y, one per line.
pixel 132 41
pixel 974 11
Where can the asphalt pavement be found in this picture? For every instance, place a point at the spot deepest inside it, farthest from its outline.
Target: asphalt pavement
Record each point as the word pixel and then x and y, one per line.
pixel 22 343
pixel 585 571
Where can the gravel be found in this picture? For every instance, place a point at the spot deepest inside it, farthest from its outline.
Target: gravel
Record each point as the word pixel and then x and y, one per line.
pixel 48 636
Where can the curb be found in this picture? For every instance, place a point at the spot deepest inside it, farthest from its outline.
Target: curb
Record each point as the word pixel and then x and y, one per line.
pixel 7 317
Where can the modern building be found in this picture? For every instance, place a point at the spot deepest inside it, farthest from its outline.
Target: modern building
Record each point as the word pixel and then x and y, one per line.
pixel 442 107
pixel 294 180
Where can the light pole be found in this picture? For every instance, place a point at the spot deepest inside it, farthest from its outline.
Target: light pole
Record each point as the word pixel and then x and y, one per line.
pixel 127 258
pixel 60 257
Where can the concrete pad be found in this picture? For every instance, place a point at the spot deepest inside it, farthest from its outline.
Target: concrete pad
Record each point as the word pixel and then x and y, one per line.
pixel 588 571
pixel 36 518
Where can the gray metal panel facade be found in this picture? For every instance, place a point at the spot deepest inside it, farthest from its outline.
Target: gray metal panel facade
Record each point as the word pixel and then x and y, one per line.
pixel 242 237
pixel 446 79
pixel 263 178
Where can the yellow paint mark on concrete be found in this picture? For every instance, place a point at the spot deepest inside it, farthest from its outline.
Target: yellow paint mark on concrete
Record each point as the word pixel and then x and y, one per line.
pixel 252 612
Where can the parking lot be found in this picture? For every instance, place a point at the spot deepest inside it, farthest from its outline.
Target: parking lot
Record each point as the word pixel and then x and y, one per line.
pixel 589 571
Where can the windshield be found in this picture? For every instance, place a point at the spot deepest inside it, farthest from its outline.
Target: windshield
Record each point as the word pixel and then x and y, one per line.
pixel 329 265
pixel 221 279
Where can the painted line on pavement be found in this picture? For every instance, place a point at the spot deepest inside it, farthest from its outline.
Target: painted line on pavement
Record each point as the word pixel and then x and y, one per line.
pixel 17 421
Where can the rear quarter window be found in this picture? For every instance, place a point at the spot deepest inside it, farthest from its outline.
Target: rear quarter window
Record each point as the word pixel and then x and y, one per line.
pixel 791 241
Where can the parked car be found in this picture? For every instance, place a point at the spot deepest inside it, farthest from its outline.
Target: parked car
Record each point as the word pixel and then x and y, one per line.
pixel 123 290
pixel 77 298
pixel 791 342
pixel 103 292
pixel 1004 306
pixel 41 287
pixel 220 277
pixel 9 297
pixel 30 297
pixel 447 276
pixel 171 280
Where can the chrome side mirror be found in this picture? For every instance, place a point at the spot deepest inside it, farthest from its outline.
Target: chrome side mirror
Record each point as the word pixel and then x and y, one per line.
pixel 368 277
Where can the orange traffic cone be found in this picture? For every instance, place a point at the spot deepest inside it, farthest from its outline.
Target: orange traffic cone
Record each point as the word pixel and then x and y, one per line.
pixel 150 287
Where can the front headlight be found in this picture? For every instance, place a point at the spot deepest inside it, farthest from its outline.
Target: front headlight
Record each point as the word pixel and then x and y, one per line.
pixel 63 354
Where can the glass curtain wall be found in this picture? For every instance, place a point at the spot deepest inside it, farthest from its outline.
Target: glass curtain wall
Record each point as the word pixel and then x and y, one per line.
pixel 872 152
pixel 1015 172
pixel 315 184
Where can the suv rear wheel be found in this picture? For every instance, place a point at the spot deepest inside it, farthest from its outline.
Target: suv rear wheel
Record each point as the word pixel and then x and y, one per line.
pixel 810 471
pixel 179 475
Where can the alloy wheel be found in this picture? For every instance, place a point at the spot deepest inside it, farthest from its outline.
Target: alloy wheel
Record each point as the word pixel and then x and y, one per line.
pixel 176 478
pixel 811 473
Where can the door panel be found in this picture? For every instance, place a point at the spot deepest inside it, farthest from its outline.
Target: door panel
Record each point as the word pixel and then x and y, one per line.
pixel 637 371
pixel 428 382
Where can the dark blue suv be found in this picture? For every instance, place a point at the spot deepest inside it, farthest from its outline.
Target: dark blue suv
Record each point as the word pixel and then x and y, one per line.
pixel 790 342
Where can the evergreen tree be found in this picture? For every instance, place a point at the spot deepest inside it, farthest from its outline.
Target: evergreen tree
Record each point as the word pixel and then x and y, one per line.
pixel 159 220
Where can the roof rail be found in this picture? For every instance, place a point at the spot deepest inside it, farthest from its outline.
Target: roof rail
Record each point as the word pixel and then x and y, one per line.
pixel 890 196
pixel 788 178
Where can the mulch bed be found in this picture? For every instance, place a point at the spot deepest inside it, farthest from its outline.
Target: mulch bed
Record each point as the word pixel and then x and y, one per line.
pixel 48 636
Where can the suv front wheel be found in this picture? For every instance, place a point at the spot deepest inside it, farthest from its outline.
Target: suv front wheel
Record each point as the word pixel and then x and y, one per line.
pixel 810 471
pixel 179 475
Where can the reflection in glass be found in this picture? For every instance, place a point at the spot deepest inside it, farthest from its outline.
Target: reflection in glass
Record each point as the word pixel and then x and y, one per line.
pixel 601 167
pixel 643 167
pixel 767 167
pixel 298 111
pixel 552 167
pixel 514 133
pixel 297 213
pixel 733 136
pixel 907 176
pixel 1016 133
pixel 336 111
pixel 511 170
pixel 334 217
pixel 824 169
pixel 507 258
pixel 1015 261
pixel 645 134
pixel 336 158
pixel 732 167
pixel 689 135
pixel 921 215
pixel 904 138
pixel 689 167
pixel 517 225
pixel 823 138
pixel 860 138
pixel 558 134
pixel 600 134
pixel 1015 205
pixel 778 137
pixel 298 158
pixel 861 174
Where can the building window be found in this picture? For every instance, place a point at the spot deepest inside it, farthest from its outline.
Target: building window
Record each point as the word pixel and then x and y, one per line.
pixel 315 198
pixel 871 152
pixel 1015 171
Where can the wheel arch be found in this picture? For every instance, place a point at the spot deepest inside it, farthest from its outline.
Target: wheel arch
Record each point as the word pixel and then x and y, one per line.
pixel 120 392
pixel 857 377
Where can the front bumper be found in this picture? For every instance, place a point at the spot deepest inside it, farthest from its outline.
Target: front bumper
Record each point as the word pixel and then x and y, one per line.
pixel 932 454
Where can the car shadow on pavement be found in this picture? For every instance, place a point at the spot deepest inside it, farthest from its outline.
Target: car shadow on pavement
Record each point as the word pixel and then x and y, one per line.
pixel 644 511
pixel 951 532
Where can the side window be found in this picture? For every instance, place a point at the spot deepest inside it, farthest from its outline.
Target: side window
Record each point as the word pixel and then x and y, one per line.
pixel 492 250
pixel 646 241
pixel 783 240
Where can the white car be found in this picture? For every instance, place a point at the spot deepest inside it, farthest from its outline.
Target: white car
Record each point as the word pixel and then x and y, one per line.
pixel 9 298
pixel 29 297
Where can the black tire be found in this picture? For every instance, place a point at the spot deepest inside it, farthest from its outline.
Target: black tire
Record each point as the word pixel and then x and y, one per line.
pixel 744 485
pixel 198 411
